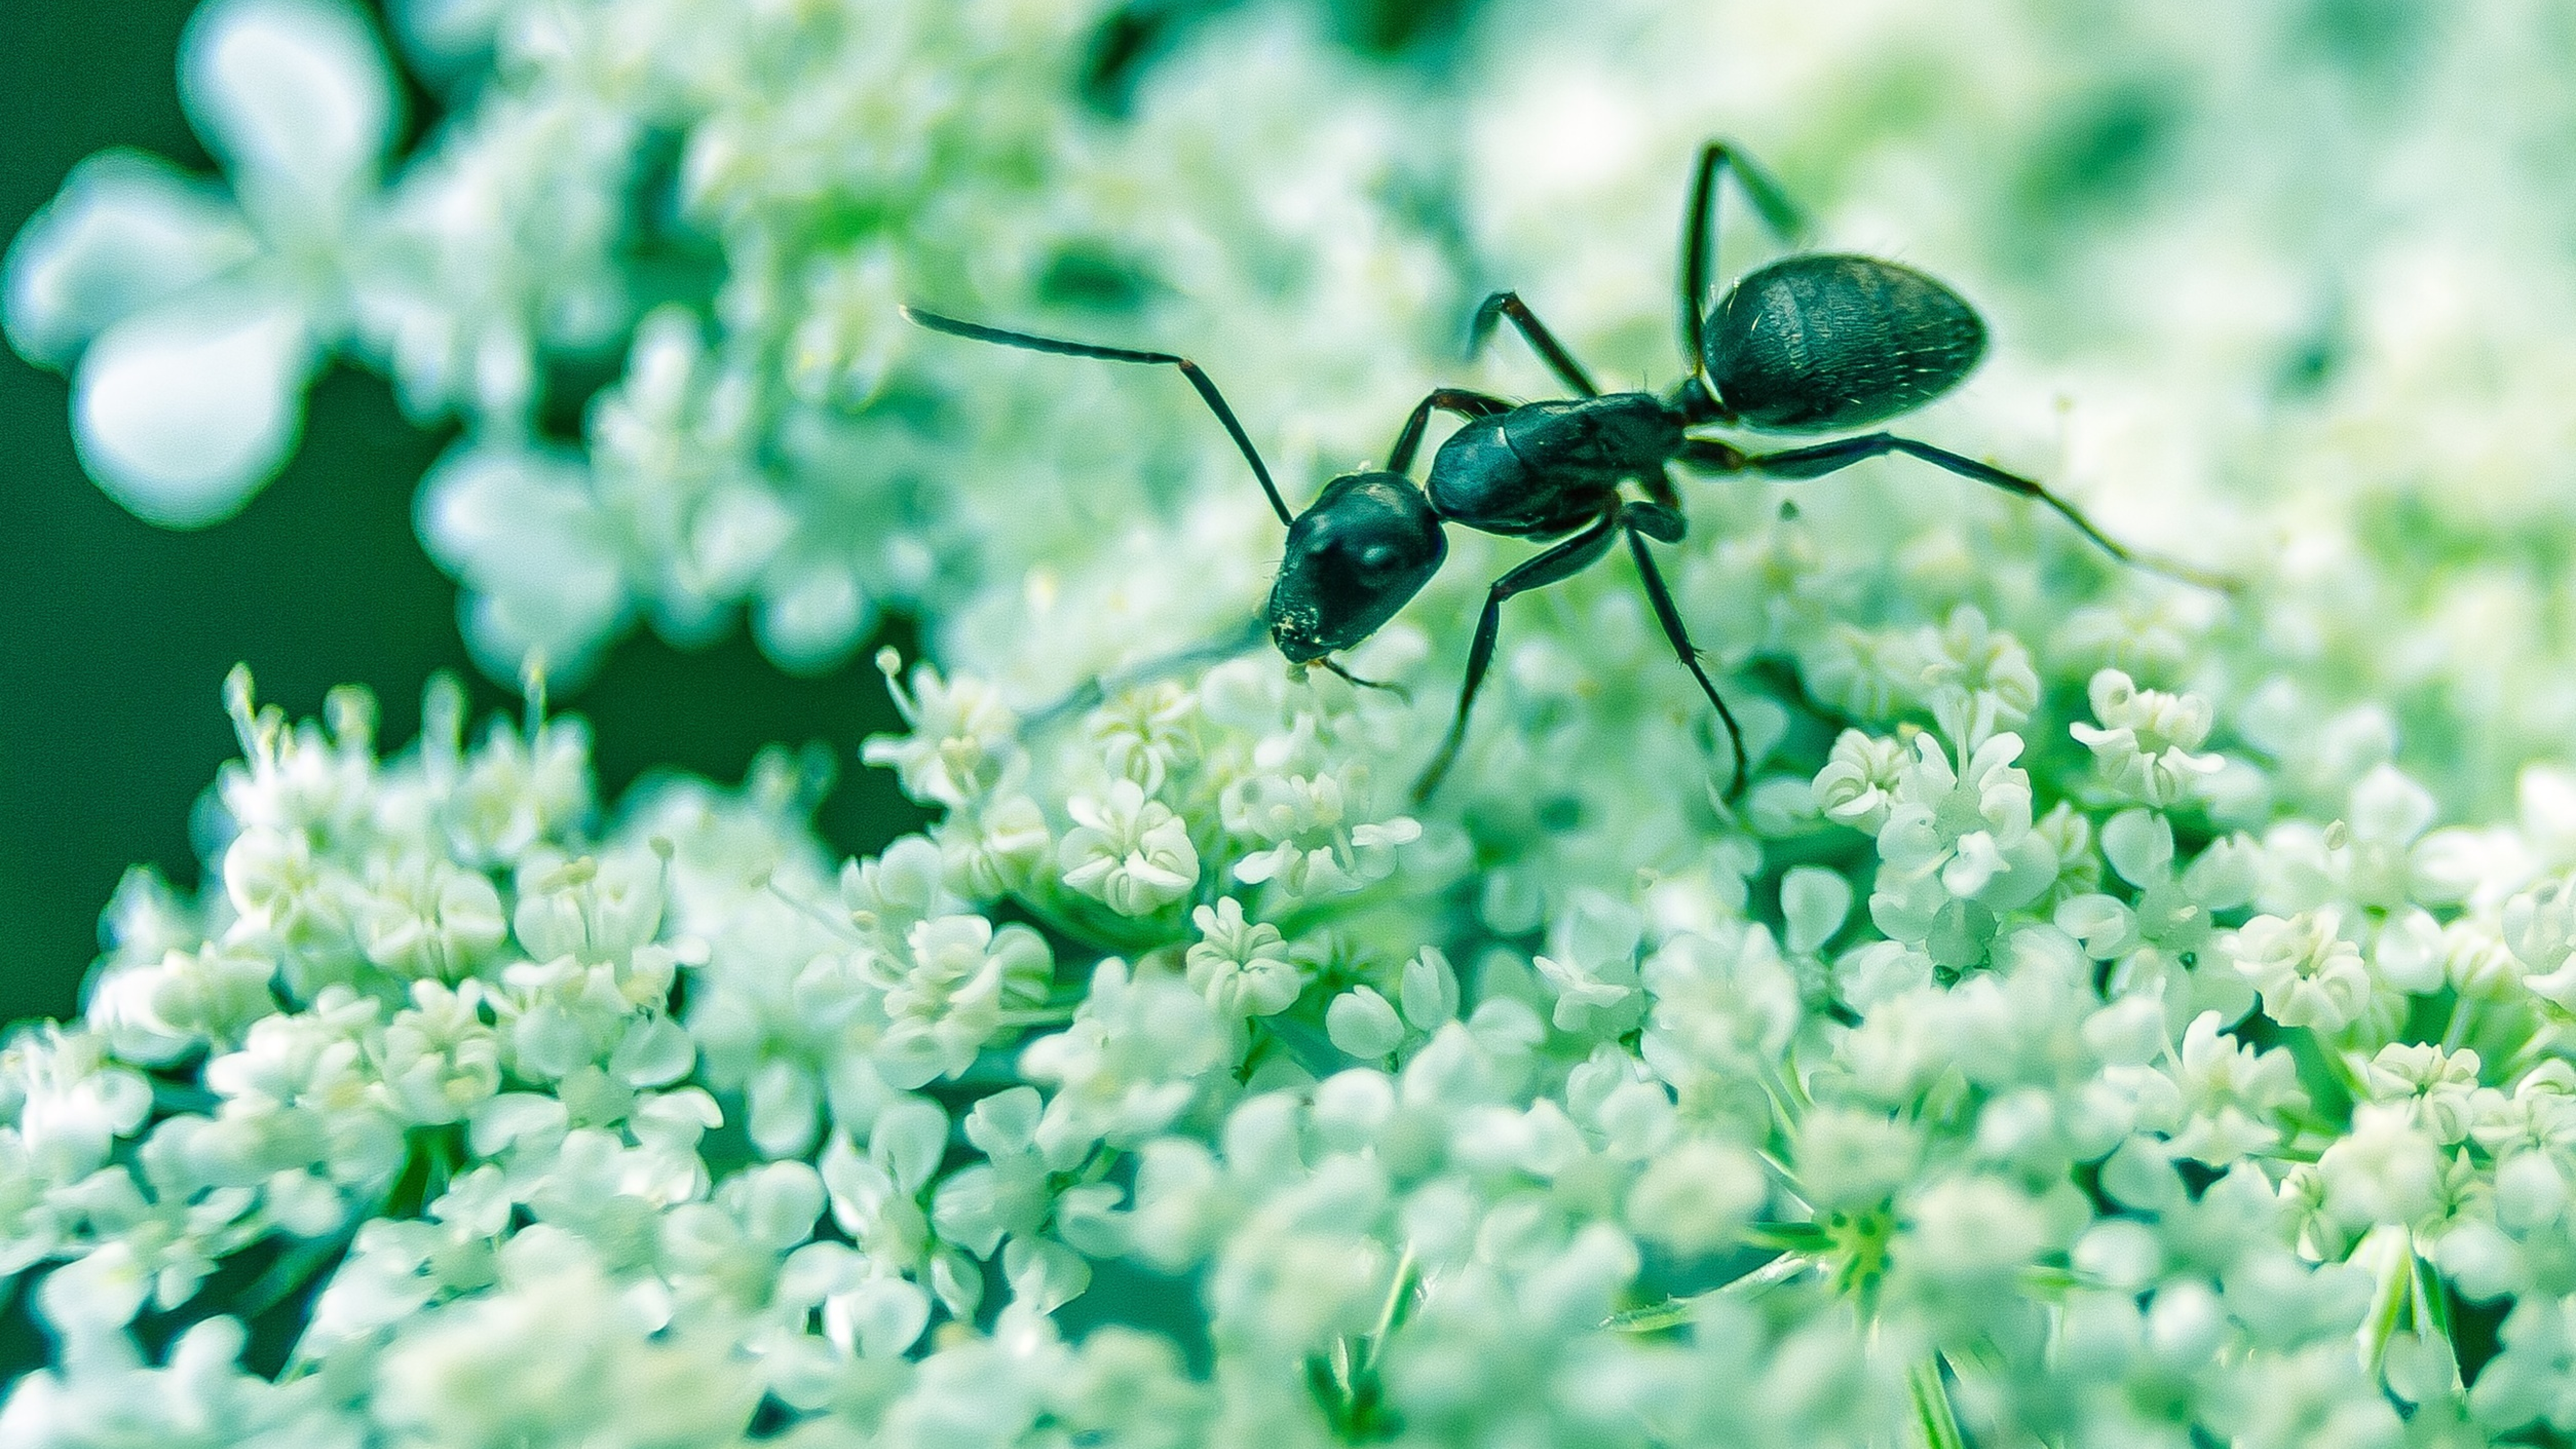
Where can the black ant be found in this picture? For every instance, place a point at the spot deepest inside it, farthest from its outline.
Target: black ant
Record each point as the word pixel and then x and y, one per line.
pixel 1813 342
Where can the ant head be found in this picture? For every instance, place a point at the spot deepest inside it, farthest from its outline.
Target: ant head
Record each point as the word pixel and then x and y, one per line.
pixel 1369 544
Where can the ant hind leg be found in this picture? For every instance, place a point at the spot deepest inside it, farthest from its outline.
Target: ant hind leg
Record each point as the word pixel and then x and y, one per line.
pixel 1823 458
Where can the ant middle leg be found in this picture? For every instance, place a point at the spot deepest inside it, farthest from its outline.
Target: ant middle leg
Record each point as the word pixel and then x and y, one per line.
pixel 1541 341
pixel 1641 522
pixel 1031 342
pixel 1563 561
pixel 1699 230
pixel 1823 458
pixel 1454 400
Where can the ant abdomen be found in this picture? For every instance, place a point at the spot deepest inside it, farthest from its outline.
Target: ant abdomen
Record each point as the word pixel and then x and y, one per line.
pixel 1826 342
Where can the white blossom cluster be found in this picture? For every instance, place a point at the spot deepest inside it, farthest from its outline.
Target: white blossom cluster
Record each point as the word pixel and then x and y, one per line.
pixel 2118 1013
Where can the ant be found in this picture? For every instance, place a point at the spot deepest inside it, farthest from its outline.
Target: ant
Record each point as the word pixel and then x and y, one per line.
pixel 1812 342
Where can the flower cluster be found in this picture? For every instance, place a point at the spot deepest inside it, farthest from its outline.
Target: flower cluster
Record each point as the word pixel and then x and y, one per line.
pixel 2118 1011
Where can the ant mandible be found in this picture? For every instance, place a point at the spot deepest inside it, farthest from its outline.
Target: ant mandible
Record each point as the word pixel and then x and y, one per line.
pixel 1812 342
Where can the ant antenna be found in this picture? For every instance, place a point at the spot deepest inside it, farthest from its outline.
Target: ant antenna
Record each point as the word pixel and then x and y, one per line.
pixel 1031 342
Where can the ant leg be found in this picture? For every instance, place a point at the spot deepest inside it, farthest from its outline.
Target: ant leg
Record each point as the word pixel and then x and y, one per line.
pixel 1699 230
pixel 1541 341
pixel 1091 693
pixel 1671 618
pixel 1708 455
pixel 1563 561
pixel 1659 486
pixel 1465 404
pixel 1825 458
pixel 1398 690
pixel 1198 379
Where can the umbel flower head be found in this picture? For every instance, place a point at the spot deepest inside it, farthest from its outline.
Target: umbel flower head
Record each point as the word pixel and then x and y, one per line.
pixel 2117 1013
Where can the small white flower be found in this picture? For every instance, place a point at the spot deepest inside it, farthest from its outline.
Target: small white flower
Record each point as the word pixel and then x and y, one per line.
pixel 2144 744
pixel 1131 853
pixel 1242 967
pixel 1140 1052
pixel 1971 826
pixel 2438 1089
pixel 1976 679
pixel 425 917
pixel 952 992
pixel 2386 1170
pixel 1696 1197
pixel 1363 1024
pixel 1857 786
pixel 963 737
pixel 2308 974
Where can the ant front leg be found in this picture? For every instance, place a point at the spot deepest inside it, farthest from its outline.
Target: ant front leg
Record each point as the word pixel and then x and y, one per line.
pixel 1644 520
pixel 1823 458
pixel 1563 561
pixel 1456 401
pixel 1699 230
pixel 1399 691
pixel 1541 341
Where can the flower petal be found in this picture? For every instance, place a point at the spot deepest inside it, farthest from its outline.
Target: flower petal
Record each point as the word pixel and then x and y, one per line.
pixel 126 231
pixel 523 532
pixel 183 413
pixel 291 93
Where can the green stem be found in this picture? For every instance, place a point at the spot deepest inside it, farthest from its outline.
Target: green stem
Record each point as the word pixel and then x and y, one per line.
pixel 1933 1414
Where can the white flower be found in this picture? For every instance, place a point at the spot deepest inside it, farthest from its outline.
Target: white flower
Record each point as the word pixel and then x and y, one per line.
pixel 993 847
pixel 1363 1024
pixel 555 1350
pixel 2386 1170
pixel 2145 742
pixel 2540 929
pixel 1594 970
pixel 2308 974
pixel 197 328
pixel 1140 1051
pixel 1697 1196
pixel 72 1100
pixel 2232 1096
pixel 1311 853
pixel 1977 680
pixel 1242 967
pixel 437 1060
pixel 1971 827
pixel 2437 1089
pixel 1857 786
pixel 1723 1010
pixel 952 991
pixel 425 917
pixel 963 738
pixel 1129 852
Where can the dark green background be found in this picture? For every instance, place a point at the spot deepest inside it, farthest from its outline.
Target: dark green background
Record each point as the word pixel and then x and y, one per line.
pixel 115 636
